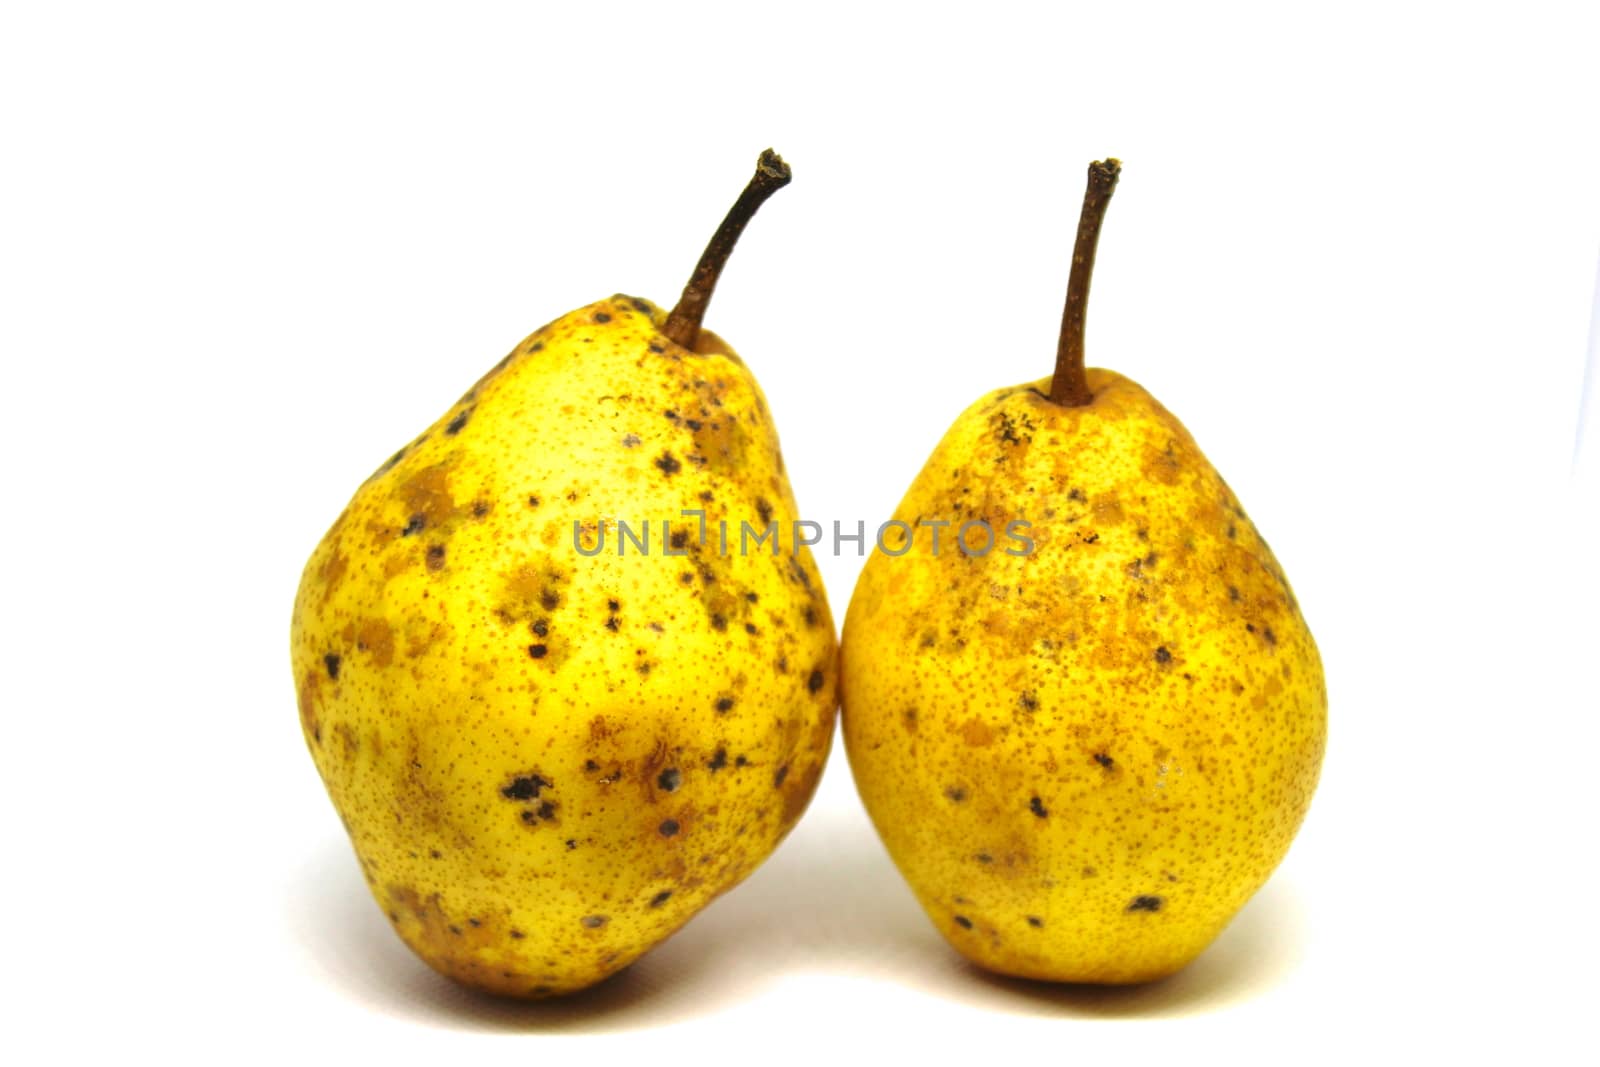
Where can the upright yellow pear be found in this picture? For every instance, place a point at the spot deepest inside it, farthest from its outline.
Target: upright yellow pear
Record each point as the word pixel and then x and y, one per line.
pixel 552 739
pixel 1086 716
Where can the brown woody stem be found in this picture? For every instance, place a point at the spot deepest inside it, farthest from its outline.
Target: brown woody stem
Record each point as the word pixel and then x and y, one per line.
pixel 1070 387
pixel 683 325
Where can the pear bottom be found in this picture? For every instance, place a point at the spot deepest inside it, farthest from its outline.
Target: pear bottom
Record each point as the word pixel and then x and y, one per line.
pixel 1090 941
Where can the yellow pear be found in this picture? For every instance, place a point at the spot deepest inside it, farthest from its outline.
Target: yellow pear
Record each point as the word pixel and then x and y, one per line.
pixel 1086 716
pixel 555 715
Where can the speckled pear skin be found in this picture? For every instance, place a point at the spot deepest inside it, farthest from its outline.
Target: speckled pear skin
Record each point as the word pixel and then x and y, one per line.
pixel 547 762
pixel 1084 760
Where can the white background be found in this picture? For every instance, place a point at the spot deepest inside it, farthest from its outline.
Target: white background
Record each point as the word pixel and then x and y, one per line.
pixel 247 250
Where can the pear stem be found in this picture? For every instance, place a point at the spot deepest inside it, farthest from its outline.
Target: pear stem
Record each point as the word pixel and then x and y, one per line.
pixel 683 325
pixel 1070 387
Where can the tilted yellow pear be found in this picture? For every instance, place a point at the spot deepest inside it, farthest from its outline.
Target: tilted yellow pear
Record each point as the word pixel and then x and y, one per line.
pixel 552 747
pixel 1085 741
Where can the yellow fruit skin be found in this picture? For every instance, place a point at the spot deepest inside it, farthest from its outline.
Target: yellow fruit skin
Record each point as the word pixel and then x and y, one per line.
pixel 532 825
pixel 1084 760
